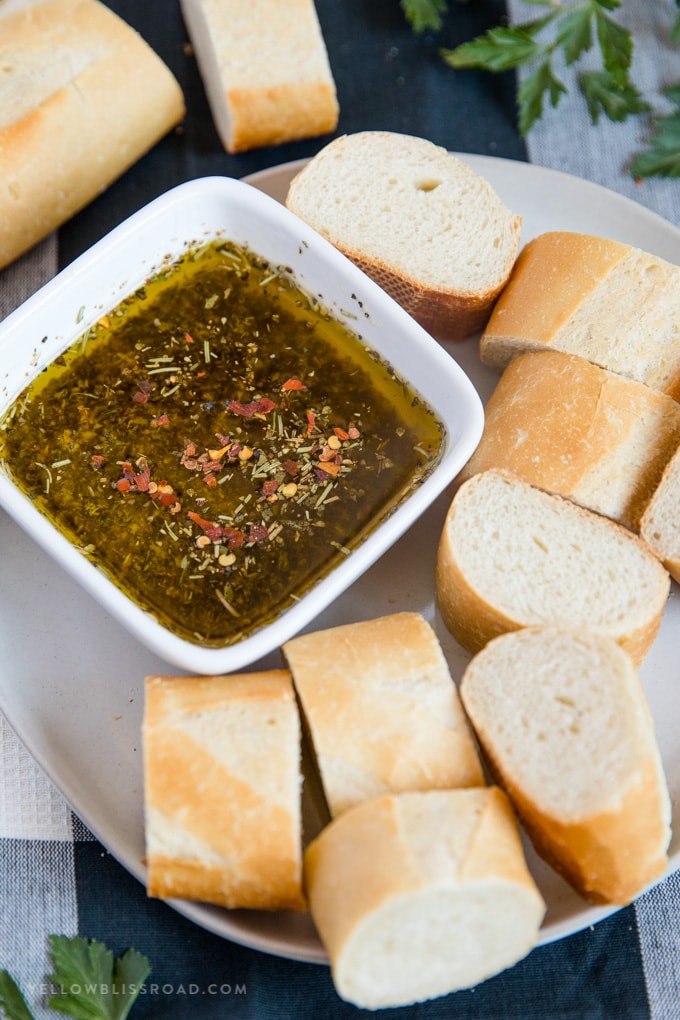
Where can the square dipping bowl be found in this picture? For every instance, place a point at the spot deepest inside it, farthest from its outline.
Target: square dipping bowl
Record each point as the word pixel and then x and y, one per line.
pixel 192 215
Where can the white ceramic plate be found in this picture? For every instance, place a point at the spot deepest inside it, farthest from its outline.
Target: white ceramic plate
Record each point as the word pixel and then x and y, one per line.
pixel 71 679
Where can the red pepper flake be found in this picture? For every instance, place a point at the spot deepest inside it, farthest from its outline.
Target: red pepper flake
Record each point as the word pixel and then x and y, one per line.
pixel 353 433
pixel 167 499
pixel 123 484
pixel 140 398
pixel 269 488
pixel 311 419
pixel 327 470
pixel 257 533
pixel 234 537
pixel 210 480
pixel 96 460
pixel 262 406
pixel 201 521
pixel 162 419
pixel 341 434
pixel 293 384
pixel 290 467
pixel 188 338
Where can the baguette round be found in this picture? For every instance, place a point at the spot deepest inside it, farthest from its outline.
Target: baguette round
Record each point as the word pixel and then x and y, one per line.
pixel 511 555
pixel 565 425
pixel 613 304
pixel 425 226
pixel 265 70
pixel 381 710
pixel 415 895
pixel 564 724
pixel 82 97
pixel 660 524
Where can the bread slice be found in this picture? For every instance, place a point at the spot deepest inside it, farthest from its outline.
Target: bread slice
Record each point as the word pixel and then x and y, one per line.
pixel 511 555
pixel 425 226
pixel 381 710
pixel 416 895
pixel 568 426
pixel 613 304
pixel 564 722
pixel 222 790
pixel 82 97
pixel 265 70
pixel 660 524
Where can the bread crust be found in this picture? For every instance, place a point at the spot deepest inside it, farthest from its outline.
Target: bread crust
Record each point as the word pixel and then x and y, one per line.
pixel 608 302
pixel 608 855
pixel 386 861
pixel 222 790
pixel 474 620
pixel 567 426
pixel 116 103
pixel 265 69
pixel 382 710
pixel 660 523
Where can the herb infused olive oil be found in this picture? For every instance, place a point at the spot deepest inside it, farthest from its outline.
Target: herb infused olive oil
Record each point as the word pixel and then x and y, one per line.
pixel 217 442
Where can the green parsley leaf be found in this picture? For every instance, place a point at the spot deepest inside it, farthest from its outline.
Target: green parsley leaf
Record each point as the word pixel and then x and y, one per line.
pixel 531 93
pixel 611 94
pixel 499 49
pixel 662 158
pixel 616 43
pixel 12 1002
pixel 424 14
pixel 575 34
pixel 94 985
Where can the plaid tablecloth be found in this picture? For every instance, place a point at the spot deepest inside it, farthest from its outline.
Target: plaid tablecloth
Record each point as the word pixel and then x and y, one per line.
pixel 54 876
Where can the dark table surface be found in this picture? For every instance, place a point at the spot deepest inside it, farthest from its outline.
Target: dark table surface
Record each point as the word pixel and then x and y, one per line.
pixel 387 78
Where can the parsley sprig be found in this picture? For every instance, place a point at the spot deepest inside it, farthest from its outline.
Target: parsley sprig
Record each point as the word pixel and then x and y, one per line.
pixel 91 984
pixel 567 32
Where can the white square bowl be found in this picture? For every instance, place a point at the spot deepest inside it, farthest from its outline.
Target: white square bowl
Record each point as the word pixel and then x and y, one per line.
pixel 196 213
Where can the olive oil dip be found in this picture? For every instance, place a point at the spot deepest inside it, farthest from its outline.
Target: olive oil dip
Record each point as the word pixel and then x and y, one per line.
pixel 217 442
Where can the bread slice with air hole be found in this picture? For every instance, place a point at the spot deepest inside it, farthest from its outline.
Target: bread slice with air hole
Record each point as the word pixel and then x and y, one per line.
pixel 511 555
pixel 381 711
pixel 416 895
pixel 222 787
pixel 565 726
pixel 430 230
pixel 611 303
pixel 660 524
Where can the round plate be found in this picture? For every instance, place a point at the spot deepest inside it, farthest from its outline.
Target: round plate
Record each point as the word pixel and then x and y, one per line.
pixel 71 680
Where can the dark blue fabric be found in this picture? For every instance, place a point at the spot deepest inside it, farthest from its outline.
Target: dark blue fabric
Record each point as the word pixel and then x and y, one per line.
pixel 593 975
pixel 387 79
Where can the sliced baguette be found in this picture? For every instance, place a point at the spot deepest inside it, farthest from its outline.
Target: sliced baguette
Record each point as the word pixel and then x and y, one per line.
pixel 511 555
pixel 564 723
pixel 222 790
pixel 419 894
pixel 82 97
pixel 660 524
pixel 381 710
pixel 613 304
pixel 568 426
pixel 265 70
pixel 425 226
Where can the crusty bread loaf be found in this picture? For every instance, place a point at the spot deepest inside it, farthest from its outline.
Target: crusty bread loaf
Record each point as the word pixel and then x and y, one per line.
pixel 568 426
pixel 222 790
pixel 381 710
pixel 511 555
pixel 82 97
pixel 416 895
pixel 265 70
pixel 564 722
pixel 429 229
pixel 660 524
pixel 615 305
